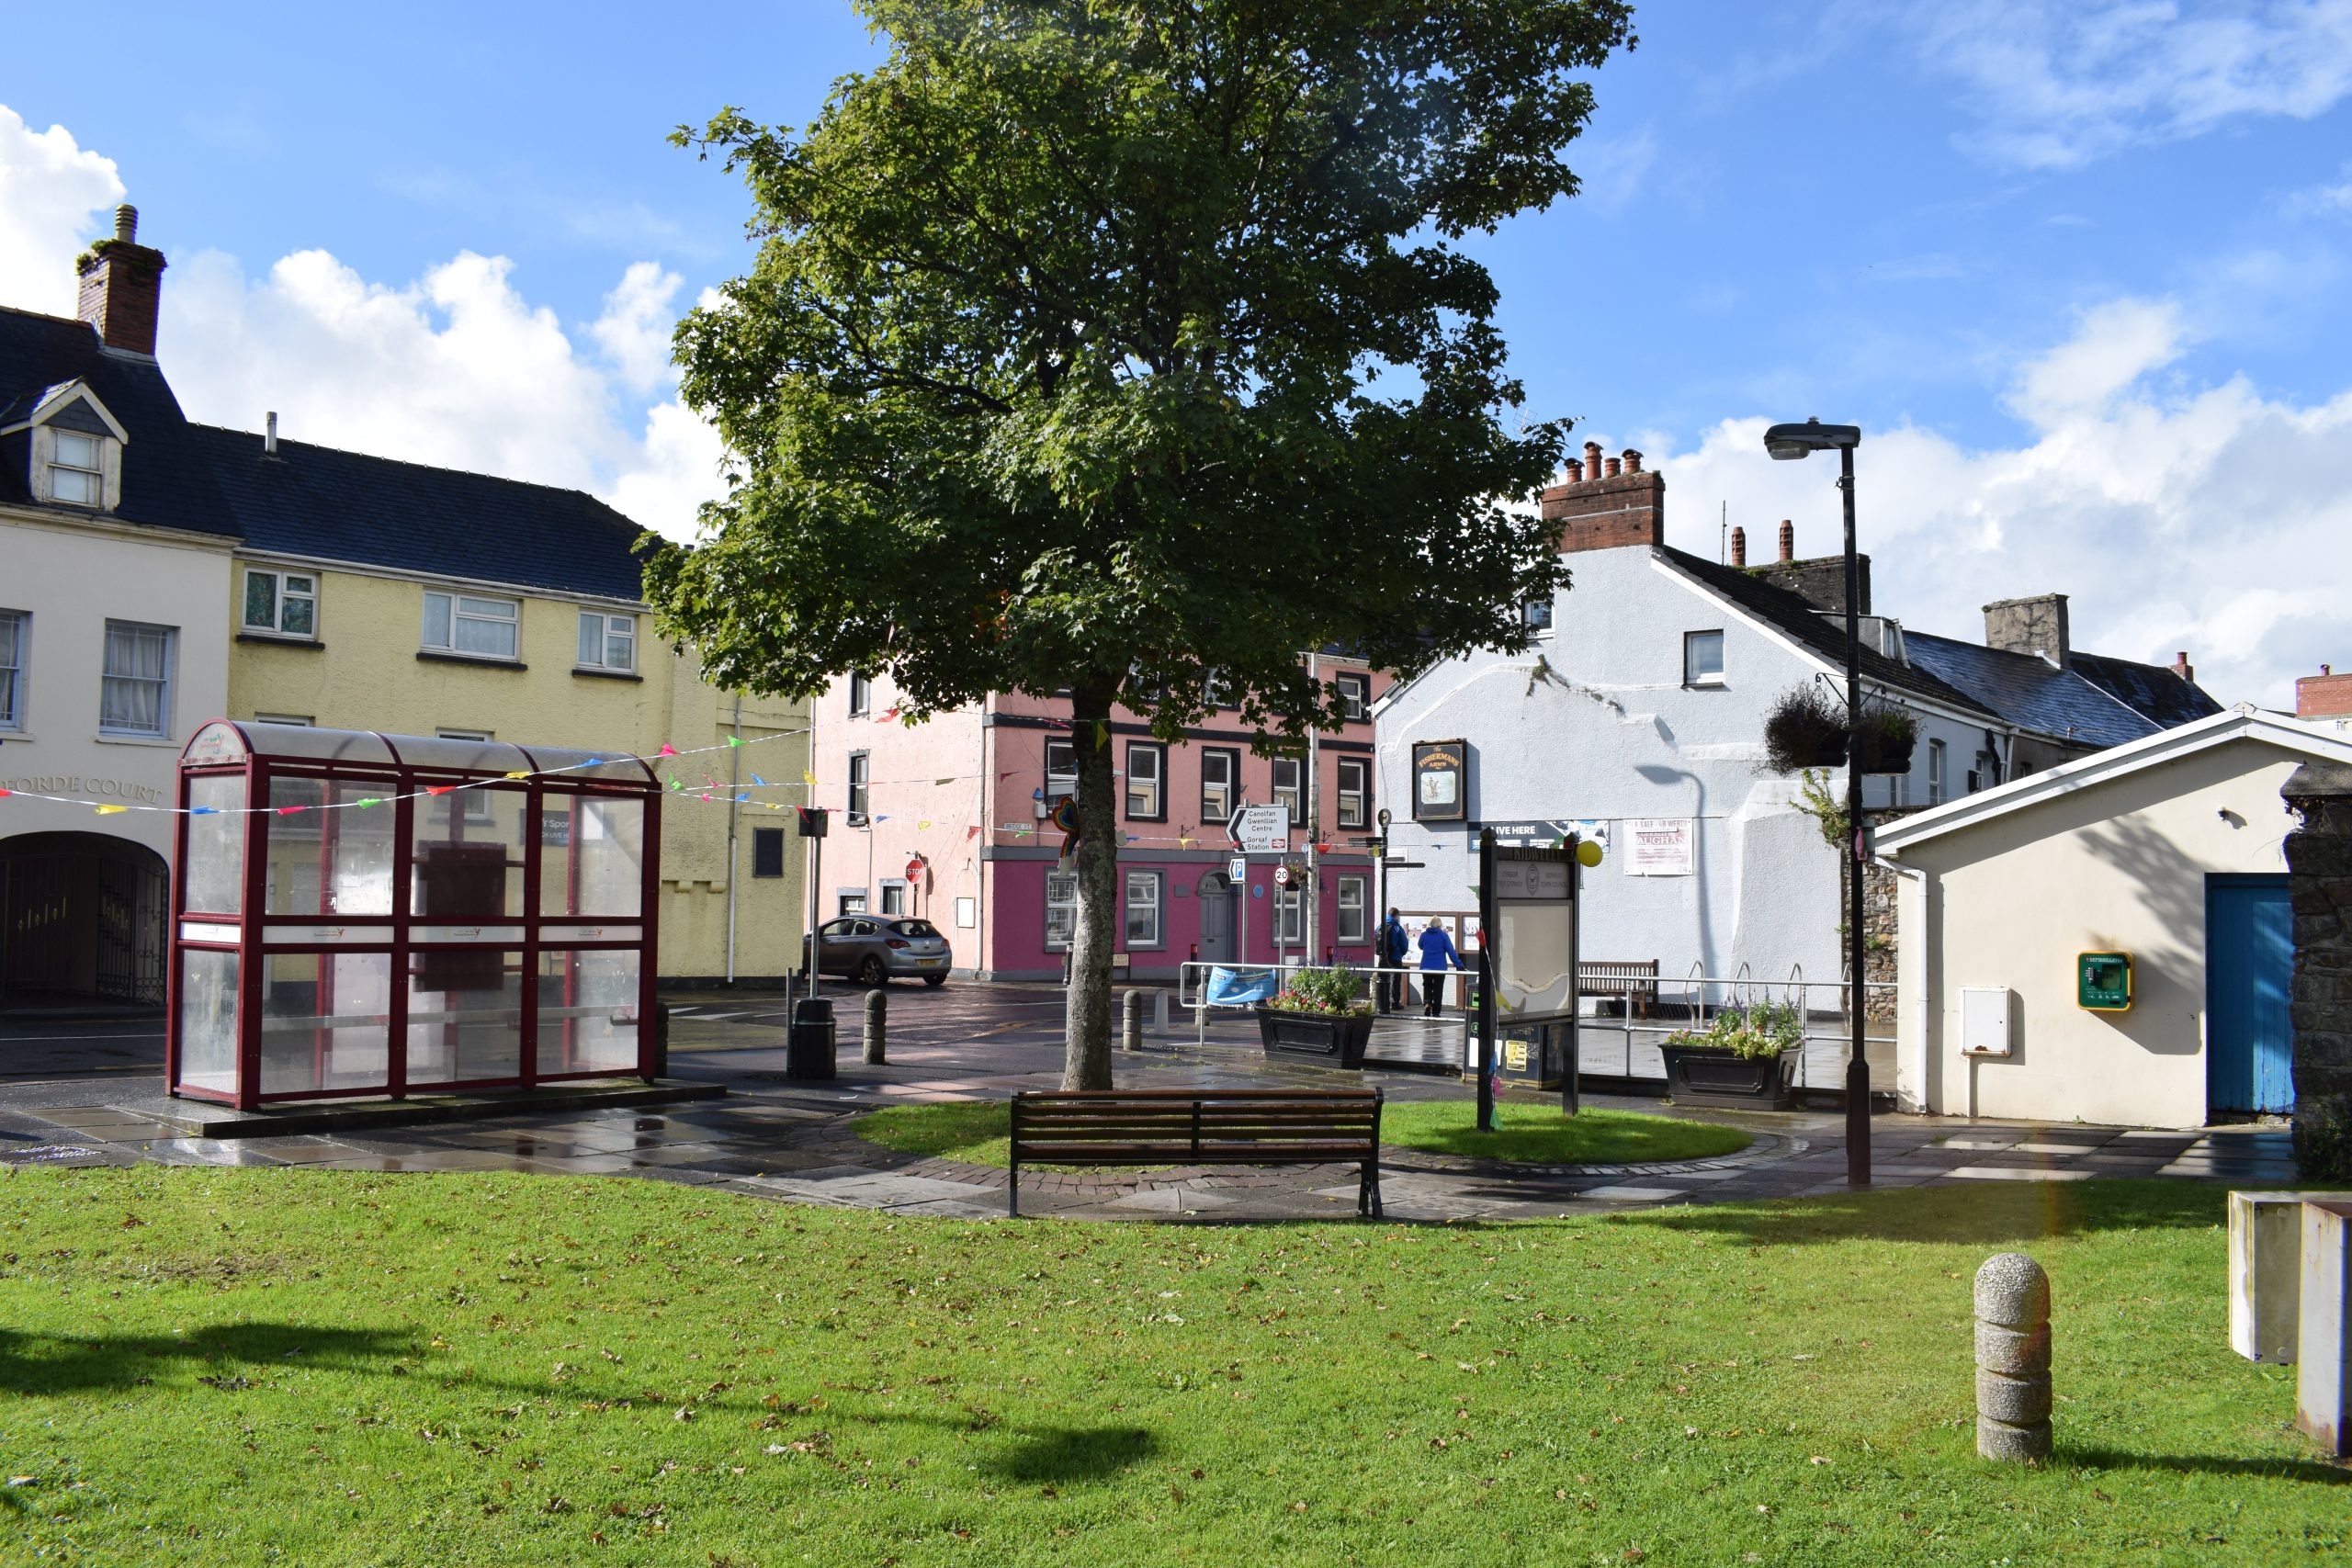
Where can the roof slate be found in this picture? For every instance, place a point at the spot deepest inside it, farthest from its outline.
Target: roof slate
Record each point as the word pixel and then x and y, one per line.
pixel 347 506
pixel 166 480
pixel 1795 617
pixel 2154 690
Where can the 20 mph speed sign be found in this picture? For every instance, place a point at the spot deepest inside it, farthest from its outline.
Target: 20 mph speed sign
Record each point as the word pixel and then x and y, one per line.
pixel 1282 876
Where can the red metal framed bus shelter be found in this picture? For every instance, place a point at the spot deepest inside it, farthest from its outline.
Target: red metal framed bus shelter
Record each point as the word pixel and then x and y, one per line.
pixel 356 914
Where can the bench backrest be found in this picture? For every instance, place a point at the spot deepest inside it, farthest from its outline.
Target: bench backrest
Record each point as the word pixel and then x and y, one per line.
pixel 1615 977
pixel 1129 1125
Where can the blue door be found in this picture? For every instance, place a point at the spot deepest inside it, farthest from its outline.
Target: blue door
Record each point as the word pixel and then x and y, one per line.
pixel 2249 964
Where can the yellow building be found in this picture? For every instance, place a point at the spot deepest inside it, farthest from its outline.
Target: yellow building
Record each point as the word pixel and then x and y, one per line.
pixel 374 594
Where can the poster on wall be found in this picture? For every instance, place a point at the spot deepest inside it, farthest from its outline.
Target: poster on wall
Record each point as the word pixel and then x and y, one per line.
pixel 1660 846
pixel 1441 781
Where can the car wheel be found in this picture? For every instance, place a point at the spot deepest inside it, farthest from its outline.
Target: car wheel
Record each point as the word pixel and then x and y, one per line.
pixel 871 972
pixel 934 981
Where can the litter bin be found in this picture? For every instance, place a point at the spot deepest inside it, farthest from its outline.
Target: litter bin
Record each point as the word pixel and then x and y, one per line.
pixel 1534 1054
pixel 809 1048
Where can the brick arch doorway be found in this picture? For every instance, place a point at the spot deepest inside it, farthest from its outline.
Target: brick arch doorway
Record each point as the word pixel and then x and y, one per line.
pixel 1219 906
pixel 82 921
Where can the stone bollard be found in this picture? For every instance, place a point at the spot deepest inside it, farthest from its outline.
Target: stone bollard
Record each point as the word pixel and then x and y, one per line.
pixel 1131 1021
pixel 1160 1004
pixel 877 1013
pixel 2324 1332
pixel 2012 1358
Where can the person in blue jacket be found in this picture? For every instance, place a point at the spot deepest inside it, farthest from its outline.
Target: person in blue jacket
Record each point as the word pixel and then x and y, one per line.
pixel 1394 942
pixel 1436 956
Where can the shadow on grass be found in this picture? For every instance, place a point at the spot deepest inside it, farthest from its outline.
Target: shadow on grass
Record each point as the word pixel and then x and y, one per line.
pixel 65 1363
pixel 2318 1471
pixel 1983 1213
pixel 1072 1453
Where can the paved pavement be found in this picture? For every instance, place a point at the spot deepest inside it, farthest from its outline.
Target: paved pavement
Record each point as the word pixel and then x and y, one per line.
pixel 777 1138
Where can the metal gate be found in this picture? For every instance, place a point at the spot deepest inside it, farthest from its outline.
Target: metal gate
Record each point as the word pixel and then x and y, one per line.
pixel 2249 970
pixel 82 918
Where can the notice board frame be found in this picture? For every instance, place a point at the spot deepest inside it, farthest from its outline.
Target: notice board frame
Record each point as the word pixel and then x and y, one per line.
pixel 1531 872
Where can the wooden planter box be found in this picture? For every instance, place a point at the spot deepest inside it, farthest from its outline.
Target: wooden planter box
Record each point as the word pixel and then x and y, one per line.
pixel 1333 1041
pixel 1697 1076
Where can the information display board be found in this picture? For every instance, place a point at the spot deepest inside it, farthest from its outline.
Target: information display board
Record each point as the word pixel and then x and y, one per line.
pixel 1527 905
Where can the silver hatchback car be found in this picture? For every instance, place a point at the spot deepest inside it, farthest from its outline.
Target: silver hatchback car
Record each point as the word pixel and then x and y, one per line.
pixel 874 949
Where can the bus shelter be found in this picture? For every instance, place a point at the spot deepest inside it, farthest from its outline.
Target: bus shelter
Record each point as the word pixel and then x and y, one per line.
pixel 356 914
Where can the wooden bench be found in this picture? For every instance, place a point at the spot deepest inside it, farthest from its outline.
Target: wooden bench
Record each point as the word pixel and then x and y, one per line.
pixel 1185 1127
pixel 1636 981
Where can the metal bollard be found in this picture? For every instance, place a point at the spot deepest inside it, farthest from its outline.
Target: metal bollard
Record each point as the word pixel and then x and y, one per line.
pixel 1131 1022
pixel 878 1012
pixel 2012 1358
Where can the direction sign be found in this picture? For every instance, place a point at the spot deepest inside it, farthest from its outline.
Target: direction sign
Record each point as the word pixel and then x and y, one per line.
pixel 1261 829
pixel 1237 870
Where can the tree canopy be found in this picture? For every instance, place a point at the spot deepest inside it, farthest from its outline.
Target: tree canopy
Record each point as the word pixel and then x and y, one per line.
pixel 1128 347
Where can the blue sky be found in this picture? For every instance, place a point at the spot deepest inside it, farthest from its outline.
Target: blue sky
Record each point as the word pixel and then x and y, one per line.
pixel 2076 268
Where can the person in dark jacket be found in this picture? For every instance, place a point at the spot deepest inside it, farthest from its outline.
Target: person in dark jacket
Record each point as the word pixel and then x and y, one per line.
pixel 1436 956
pixel 1394 942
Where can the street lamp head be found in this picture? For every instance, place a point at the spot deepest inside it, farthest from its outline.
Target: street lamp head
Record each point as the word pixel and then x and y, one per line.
pixel 1787 442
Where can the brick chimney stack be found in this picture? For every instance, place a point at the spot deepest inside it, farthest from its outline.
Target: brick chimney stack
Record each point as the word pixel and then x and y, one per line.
pixel 2035 625
pixel 1788 540
pixel 1739 547
pixel 2188 672
pixel 2323 695
pixel 122 287
pixel 1608 502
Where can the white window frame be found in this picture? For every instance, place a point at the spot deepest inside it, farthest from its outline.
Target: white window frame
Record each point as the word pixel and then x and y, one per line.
pixel 1354 924
pixel 163 729
pixel 1289 917
pixel 1359 813
pixel 896 903
pixel 1536 616
pixel 1220 811
pixel 1692 644
pixel 1060 783
pixel 1356 694
pixel 610 628
pixel 478 806
pixel 453 613
pixel 1934 772
pixel 1061 909
pixel 282 594
pixel 1153 886
pixel 299 720
pixel 1152 781
pixel 851 904
pixel 95 473
pixel 1293 794
pixel 861 781
pixel 15 648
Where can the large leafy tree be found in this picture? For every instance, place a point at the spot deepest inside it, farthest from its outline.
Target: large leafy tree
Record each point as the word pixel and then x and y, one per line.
pixel 1128 348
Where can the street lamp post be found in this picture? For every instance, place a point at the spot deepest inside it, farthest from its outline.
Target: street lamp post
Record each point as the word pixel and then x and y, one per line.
pixel 1786 443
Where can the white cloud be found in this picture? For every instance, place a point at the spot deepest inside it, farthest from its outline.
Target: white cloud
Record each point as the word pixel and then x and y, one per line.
pixel 456 368
pixel 635 327
pixel 2207 518
pixel 2060 83
pixel 2323 201
pixel 52 194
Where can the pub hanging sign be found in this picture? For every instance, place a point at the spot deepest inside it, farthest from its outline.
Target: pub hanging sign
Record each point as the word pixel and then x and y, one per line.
pixel 1441 781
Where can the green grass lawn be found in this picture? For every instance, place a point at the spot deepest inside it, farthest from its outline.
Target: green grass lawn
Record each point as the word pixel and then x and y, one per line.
pixel 977 1132
pixel 319 1368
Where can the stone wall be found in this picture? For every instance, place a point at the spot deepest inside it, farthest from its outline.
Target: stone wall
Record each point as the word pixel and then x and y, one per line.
pixel 2319 870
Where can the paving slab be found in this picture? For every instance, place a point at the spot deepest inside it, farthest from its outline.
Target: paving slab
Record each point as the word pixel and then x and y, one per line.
pixel 2017 1173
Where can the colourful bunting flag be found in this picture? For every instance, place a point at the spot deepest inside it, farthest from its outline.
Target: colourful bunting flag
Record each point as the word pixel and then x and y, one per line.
pixel 204 811
pixel 112 810
pixel 519 775
pixel 370 800
pixel 921 825
pixel 6 792
pixel 441 789
pixel 973 831
pixel 675 784
pixel 741 797
pixel 734 741
pixel 290 810
pixel 759 781
pixel 808 778
pixel 667 750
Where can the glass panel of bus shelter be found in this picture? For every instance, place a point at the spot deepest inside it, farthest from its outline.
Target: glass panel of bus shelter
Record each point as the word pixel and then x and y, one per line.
pixel 325 1022
pixel 495 758
pixel 466 853
pixel 592 856
pixel 216 844
pixel 588 1010
pixel 333 856
pixel 209 1020
pixel 562 761
pixel 465 1016
pixel 308 744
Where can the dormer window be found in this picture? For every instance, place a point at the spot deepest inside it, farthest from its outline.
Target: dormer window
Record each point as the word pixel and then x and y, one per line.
pixel 76 469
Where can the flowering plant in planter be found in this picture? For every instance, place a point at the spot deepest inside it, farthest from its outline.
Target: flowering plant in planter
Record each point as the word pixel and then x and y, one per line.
pixel 1768 1029
pixel 1805 729
pixel 1883 741
pixel 1331 993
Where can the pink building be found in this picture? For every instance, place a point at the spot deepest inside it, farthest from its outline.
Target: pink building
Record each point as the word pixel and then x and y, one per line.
pixel 947 821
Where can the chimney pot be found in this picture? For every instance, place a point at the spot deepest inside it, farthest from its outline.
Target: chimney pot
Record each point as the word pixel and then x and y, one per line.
pixel 121 287
pixel 1788 540
pixel 1632 461
pixel 1612 467
pixel 1592 460
pixel 2327 669
pixel 269 435
pixel 125 224
pixel 1576 471
pixel 1739 547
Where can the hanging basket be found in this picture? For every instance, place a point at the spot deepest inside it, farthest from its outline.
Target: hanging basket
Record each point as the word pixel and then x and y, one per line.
pixel 1805 729
pixel 1885 739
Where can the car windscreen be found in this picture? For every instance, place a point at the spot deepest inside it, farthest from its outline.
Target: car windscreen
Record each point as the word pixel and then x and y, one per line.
pixel 915 927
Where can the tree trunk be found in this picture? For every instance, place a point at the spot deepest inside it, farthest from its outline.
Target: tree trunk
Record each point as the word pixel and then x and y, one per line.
pixel 1086 1062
